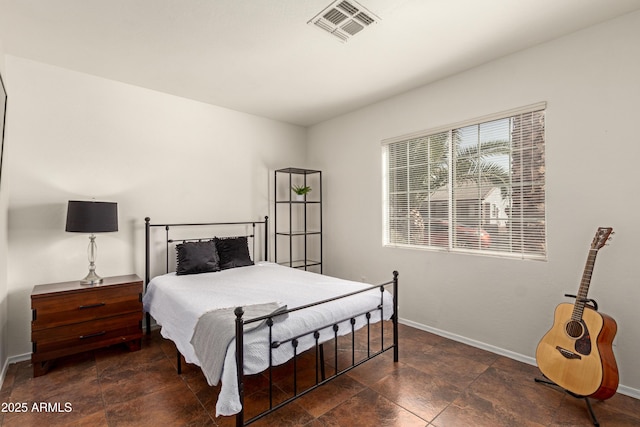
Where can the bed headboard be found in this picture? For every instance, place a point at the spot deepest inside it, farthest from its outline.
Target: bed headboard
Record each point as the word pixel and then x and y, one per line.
pixel 188 232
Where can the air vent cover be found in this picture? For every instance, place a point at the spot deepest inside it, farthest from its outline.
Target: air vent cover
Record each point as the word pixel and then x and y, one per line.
pixel 343 19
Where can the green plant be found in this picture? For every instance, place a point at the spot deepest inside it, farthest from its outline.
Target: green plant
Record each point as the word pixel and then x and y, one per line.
pixel 301 190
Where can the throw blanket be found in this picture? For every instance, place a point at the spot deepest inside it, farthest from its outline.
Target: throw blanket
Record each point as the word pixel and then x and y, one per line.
pixel 216 329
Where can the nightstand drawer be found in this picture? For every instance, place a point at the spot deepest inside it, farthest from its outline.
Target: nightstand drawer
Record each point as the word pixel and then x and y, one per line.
pixel 112 329
pixel 56 310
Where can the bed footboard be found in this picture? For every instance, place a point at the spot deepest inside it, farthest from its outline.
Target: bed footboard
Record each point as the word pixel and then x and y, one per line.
pixel 320 378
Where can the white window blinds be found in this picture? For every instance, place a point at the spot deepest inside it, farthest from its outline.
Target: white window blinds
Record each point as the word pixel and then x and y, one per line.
pixel 477 186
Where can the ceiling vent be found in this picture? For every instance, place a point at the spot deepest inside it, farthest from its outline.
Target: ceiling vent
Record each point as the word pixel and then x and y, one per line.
pixel 344 19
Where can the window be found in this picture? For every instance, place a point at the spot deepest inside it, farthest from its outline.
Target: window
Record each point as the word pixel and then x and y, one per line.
pixel 476 187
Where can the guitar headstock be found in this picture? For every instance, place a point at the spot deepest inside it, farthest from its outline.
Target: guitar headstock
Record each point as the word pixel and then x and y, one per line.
pixel 602 236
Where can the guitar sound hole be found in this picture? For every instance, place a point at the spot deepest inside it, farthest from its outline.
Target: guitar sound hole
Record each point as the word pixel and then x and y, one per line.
pixel 574 329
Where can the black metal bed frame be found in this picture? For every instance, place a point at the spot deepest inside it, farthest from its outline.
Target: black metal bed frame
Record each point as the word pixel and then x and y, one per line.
pixel 240 322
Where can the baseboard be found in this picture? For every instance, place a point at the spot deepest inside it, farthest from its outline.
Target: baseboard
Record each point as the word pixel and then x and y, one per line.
pixel 9 361
pixel 622 389
pixel 628 391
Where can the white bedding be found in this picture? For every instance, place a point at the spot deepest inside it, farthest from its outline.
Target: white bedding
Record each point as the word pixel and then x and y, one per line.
pixel 177 302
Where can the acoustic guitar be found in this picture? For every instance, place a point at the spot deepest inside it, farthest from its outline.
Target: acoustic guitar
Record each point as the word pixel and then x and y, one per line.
pixel 577 353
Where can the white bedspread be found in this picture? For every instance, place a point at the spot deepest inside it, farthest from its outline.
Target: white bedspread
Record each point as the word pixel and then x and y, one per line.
pixel 177 302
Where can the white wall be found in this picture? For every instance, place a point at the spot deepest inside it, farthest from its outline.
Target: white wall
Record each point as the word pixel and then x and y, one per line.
pixel 590 82
pixel 4 327
pixel 76 136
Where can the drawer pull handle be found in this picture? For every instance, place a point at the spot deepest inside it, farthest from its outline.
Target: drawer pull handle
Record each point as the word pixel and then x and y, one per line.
pixel 97 334
pixel 100 304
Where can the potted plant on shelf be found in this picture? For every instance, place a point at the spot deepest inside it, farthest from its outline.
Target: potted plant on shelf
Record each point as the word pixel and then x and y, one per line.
pixel 301 191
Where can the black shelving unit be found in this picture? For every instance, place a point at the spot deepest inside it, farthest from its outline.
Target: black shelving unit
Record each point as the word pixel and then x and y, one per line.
pixel 298 222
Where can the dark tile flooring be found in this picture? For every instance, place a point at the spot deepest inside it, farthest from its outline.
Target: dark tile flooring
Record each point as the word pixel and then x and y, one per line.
pixel 438 382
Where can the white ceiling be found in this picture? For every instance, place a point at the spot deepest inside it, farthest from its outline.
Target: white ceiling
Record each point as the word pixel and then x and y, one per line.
pixel 261 56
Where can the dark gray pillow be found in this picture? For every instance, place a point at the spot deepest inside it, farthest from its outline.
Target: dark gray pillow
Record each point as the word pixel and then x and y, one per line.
pixel 233 252
pixel 197 257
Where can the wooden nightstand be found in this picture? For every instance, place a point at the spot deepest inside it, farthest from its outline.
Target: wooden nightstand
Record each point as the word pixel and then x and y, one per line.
pixel 71 318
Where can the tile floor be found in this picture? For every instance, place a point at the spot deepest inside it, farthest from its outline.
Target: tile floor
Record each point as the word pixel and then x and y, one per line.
pixel 438 382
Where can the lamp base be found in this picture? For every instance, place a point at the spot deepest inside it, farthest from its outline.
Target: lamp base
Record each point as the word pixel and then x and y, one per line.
pixel 91 279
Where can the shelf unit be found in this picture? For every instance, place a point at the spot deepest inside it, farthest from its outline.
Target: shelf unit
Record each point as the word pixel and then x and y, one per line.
pixel 298 223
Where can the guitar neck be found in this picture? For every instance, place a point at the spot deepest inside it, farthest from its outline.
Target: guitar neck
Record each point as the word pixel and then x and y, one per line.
pixel 581 298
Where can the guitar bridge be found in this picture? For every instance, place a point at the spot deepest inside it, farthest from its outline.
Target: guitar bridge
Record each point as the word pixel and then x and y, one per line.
pixel 568 354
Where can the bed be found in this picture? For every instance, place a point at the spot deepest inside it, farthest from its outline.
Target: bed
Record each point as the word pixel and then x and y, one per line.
pixel 250 315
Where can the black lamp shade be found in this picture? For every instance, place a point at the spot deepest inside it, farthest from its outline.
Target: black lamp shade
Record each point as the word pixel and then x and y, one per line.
pixel 92 217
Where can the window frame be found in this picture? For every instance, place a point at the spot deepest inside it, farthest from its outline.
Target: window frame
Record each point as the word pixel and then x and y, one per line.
pixel 451 246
